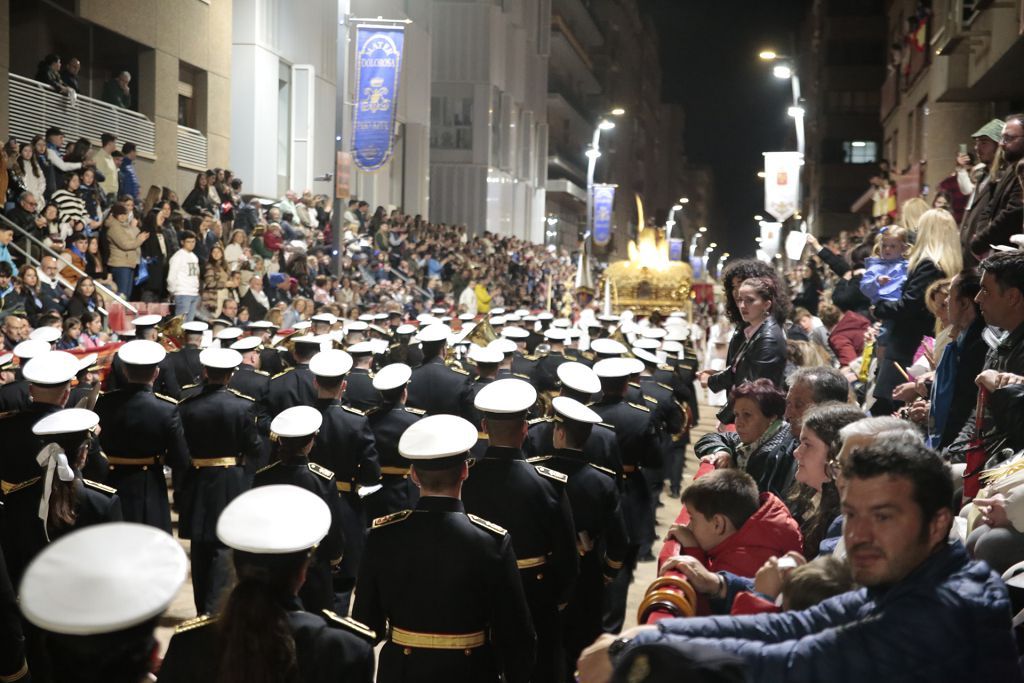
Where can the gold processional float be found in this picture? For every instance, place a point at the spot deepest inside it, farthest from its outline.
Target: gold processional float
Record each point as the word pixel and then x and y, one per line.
pixel 648 281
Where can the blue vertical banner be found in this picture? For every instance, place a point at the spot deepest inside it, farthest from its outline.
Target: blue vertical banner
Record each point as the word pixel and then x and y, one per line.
pixel 675 249
pixel 604 200
pixel 378 68
pixel 697 263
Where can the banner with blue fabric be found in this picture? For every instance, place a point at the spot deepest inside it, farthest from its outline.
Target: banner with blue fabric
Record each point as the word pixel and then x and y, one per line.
pixel 604 200
pixel 378 68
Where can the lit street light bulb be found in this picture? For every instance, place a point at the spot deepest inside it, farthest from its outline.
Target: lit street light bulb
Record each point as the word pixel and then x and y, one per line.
pixel 677 207
pixel 618 111
pixel 684 200
pixel 605 124
pixel 767 55
pixel 796 112
pixel 782 71
pixel 758 217
pixel 703 228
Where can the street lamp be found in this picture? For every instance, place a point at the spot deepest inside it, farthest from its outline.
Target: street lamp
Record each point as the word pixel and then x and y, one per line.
pixel 684 200
pixel 702 229
pixel 593 153
pixel 758 217
pixel 693 245
pixel 784 70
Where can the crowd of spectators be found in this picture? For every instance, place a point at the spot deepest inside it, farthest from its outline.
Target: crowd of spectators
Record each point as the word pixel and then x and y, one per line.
pixel 222 253
pixel 916 319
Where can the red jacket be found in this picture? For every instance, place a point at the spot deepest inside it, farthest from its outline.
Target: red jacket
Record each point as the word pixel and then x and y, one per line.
pixel 769 531
pixel 847 337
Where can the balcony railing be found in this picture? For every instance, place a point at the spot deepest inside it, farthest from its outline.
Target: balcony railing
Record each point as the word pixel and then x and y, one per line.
pixel 34 107
pixel 192 149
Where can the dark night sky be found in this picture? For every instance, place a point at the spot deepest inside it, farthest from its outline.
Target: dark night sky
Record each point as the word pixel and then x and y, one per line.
pixel 735 109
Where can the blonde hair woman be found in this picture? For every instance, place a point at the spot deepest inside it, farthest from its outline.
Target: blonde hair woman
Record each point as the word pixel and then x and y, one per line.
pixel 935 255
pixel 912 211
pixel 938 240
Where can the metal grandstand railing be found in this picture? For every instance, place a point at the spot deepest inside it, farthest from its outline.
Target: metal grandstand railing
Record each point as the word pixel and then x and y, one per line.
pixel 34 107
pixel 29 258
pixel 192 148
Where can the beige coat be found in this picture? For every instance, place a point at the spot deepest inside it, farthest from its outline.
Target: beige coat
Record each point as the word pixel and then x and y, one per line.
pixel 125 241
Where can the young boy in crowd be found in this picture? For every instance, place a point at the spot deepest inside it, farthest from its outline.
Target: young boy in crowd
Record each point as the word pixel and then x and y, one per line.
pixel 732 529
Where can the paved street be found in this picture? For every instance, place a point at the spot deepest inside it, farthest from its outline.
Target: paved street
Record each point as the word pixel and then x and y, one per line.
pixel 182 608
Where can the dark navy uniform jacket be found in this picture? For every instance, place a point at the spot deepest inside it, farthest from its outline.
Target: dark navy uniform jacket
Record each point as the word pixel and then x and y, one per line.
pixel 639 447
pixel 293 387
pixel 438 389
pixel 601 448
pixel 329 649
pixel 187 368
pixel 388 422
pixel 465 582
pixel 136 423
pixel 345 445
pixel 19 445
pixel 23 534
pixel 218 423
pixel 601 541
pixel 317 593
pixel 531 503
pixel 359 391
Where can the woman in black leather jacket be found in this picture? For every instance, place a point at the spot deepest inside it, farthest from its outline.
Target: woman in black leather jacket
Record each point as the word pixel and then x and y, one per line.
pixel 757 303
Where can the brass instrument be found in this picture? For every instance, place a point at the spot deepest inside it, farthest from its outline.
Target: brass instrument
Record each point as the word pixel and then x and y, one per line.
pixel 482 333
pixel 170 334
pixel 287 340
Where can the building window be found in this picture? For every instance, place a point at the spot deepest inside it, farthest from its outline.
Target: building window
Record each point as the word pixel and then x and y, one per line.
pixel 187 78
pixel 451 124
pixel 860 152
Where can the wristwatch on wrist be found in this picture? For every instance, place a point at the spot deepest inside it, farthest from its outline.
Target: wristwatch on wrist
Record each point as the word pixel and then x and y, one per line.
pixel 616 648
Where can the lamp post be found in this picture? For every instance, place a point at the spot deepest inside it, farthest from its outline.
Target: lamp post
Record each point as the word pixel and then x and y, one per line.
pixel 784 70
pixel 593 153
pixel 704 259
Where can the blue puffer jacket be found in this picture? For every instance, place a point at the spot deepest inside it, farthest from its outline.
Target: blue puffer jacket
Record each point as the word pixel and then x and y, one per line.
pixel 948 621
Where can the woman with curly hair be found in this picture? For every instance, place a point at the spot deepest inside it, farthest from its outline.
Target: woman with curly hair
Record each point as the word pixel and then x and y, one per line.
pixel 757 303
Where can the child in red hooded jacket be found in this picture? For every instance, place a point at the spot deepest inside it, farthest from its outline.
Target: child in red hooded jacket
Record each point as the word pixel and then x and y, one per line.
pixel 732 529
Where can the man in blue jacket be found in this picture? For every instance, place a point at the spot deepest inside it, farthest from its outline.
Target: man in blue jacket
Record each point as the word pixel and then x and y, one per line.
pixel 926 611
pixel 127 177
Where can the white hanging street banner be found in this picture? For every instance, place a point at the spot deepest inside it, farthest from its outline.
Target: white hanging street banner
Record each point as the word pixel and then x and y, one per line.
pixel 771 238
pixel 795 243
pixel 782 184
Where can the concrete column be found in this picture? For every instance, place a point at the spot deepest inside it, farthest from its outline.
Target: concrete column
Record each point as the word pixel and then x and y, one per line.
pixel 158 99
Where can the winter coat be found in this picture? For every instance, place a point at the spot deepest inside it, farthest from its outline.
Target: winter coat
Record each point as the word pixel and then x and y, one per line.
pixel 763 355
pixel 1002 216
pixel 771 464
pixel 847 338
pixel 894 269
pixel 769 531
pixel 948 620
pixel 125 241
pixel 909 322
pixel 128 180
